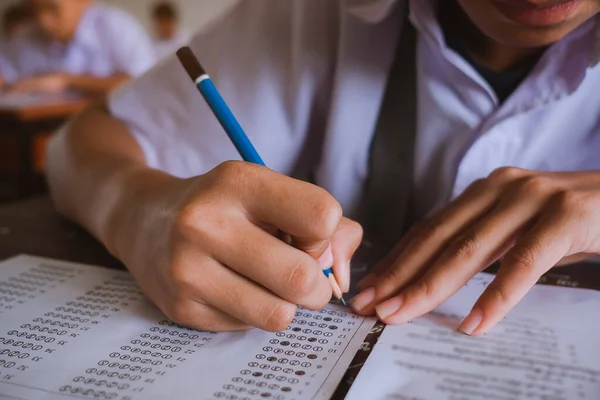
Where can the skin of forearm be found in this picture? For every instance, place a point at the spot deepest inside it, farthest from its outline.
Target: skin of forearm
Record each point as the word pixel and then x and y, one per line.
pixel 96 170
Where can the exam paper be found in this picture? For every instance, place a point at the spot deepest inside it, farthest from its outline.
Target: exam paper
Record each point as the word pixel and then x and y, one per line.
pixel 70 331
pixel 547 348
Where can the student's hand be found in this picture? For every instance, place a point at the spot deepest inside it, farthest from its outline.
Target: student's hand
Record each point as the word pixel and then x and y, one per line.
pixel 53 83
pixel 207 252
pixel 531 220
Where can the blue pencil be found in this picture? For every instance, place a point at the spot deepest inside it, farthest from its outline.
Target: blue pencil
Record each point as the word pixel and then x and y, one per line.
pixel 231 126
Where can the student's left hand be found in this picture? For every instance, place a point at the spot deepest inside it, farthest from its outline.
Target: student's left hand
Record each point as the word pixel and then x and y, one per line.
pixel 52 83
pixel 531 220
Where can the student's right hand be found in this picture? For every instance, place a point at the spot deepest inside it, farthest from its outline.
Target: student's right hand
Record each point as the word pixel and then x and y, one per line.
pixel 205 249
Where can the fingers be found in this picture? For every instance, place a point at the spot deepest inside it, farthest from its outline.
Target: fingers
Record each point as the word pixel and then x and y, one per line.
pixel 204 280
pixel 344 243
pixel 387 261
pixel 575 259
pixel 205 318
pixel 534 254
pixel 428 242
pixel 288 272
pixel 301 209
pixel 465 256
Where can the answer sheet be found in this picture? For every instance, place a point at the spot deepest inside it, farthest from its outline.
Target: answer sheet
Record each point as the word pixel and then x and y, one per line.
pixel 70 331
pixel 548 348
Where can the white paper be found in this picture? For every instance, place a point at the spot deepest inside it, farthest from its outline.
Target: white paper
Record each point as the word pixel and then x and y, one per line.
pixel 71 331
pixel 547 348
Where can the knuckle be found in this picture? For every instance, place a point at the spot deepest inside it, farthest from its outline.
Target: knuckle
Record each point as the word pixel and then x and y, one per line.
pixel 202 223
pixel 569 201
pixel 534 185
pixel 498 292
pixel 465 247
pixel 186 219
pixel 303 279
pixel 327 212
pixel 521 256
pixel 427 232
pixel 506 174
pixel 231 176
pixel 428 288
pixel 179 312
pixel 279 317
pixel 477 186
pixel 181 277
pixel 392 278
pixel 231 170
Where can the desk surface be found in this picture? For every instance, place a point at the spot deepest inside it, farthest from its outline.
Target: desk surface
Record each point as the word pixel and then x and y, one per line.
pixel 33 227
pixel 22 109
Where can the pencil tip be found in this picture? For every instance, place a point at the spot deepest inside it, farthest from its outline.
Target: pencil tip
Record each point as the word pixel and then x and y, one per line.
pixel 343 301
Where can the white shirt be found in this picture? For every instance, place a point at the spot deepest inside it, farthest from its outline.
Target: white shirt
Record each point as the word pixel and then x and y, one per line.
pixel 167 47
pixel 108 41
pixel 306 79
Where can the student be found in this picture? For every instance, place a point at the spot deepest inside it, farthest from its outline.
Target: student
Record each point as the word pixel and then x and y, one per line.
pixel 506 138
pixel 78 45
pixel 169 37
pixel 15 20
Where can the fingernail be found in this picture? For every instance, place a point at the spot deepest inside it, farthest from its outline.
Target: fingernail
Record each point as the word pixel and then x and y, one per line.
pixel 367 281
pixel 472 322
pixel 363 299
pixel 389 307
pixel 326 259
pixel 343 277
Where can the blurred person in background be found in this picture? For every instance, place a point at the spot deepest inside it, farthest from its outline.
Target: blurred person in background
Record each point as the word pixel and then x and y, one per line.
pixel 76 45
pixel 169 36
pixel 15 20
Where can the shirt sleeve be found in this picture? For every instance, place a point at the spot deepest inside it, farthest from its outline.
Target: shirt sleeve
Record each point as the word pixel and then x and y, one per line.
pixel 8 71
pixel 248 53
pixel 132 48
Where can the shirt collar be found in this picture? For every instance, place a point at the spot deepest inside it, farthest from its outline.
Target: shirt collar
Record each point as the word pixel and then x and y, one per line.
pixel 422 15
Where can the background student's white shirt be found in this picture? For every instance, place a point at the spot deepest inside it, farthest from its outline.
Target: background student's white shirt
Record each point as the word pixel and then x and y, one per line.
pixel 165 48
pixel 108 41
pixel 306 79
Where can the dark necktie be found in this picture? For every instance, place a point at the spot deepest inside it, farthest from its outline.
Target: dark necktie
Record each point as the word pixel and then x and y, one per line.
pixel 386 206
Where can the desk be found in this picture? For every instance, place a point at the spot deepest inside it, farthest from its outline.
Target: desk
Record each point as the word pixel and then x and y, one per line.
pixel 33 227
pixel 25 126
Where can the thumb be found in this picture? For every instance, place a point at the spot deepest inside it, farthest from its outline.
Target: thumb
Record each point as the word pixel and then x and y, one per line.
pixel 337 252
pixel 320 250
pixel 344 243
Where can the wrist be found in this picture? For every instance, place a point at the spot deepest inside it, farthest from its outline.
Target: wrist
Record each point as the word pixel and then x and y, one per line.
pixel 140 192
